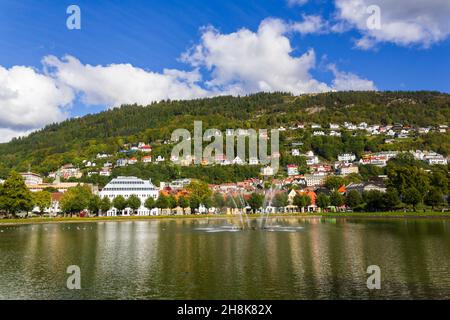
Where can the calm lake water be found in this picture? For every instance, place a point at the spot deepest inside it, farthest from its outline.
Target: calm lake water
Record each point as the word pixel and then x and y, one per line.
pixel 202 259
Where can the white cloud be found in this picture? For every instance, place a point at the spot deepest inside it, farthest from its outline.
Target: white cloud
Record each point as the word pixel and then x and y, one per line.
pixel 403 22
pixel 118 84
pixel 292 3
pixel 344 81
pixel 29 99
pixel 246 61
pixel 311 24
pixel 7 134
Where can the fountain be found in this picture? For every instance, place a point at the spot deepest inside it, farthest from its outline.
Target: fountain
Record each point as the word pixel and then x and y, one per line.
pixel 245 225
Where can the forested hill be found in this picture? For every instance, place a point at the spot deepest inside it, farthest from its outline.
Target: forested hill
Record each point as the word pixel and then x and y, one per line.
pixel 107 131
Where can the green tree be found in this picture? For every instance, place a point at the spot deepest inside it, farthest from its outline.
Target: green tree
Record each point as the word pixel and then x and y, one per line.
pixel 353 199
pixel 334 182
pixel 134 203
pixel 194 202
pixel 172 202
pixel 337 199
pixel 76 199
pixel 280 200
pixel 94 204
pixel 391 199
pixel 150 203
pixel 323 201
pixel 301 201
pixel 162 202
pixel 218 200
pixel 42 200
pixel 105 205
pixel 15 195
pixel 255 201
pixel 374 200
pixel 412 197
pixel 119 203
pixel 199 190
pixel 406 178
pixel 434 197
pixel 183 202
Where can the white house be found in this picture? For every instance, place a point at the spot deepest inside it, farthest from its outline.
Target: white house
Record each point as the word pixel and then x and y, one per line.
pixel 128 186
pixel 346 157
pixel 102 155
pixel 31 178
pixel 314 180
pixel 334 126
pixel 335 133
pixel 146 159
pixel 292 170
pixel 105 172
pixel 121 162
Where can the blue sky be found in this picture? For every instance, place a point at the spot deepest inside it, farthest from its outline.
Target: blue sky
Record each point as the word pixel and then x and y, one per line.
pixel 151 36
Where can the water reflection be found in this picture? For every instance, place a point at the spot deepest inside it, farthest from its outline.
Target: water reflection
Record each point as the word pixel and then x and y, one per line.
pixel 198 259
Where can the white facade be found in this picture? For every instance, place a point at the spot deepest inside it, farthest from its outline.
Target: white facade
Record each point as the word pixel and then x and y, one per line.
pixel 313 180
pixel 347 157
pixel 128 186
pixel 292 170
pixel 31 178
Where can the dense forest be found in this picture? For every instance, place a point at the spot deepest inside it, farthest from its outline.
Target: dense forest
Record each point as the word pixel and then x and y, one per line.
pixel 74 139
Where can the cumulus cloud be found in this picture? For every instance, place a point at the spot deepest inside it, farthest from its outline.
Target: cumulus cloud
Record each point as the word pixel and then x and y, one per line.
pixel 349 81
pixel 118 84
pixel 246 61
pixel 29 99
pixel 403 22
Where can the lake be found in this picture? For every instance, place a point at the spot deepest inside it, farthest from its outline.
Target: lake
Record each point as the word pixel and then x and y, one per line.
pixel 295 258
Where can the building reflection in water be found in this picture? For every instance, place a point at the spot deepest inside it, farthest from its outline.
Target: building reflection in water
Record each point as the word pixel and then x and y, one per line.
pixel 326 259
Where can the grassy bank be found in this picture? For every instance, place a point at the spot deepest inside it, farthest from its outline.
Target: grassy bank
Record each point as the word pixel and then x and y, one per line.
pixel 38 220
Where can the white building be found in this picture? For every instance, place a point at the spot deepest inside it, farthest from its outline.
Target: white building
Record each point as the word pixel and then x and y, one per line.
pixel 348 169
pixel 431 157
pixel 346 157
pixel 105 172
pixel 128 186
pixel 313 180
pixel 335 133
pixel 31 178
pixel 311 158
pixel 334 126
pixel 121 162
pixel 103 155
pixel 292 170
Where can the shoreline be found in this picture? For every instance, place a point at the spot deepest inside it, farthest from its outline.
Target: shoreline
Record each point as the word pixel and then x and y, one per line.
pixel 346 215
